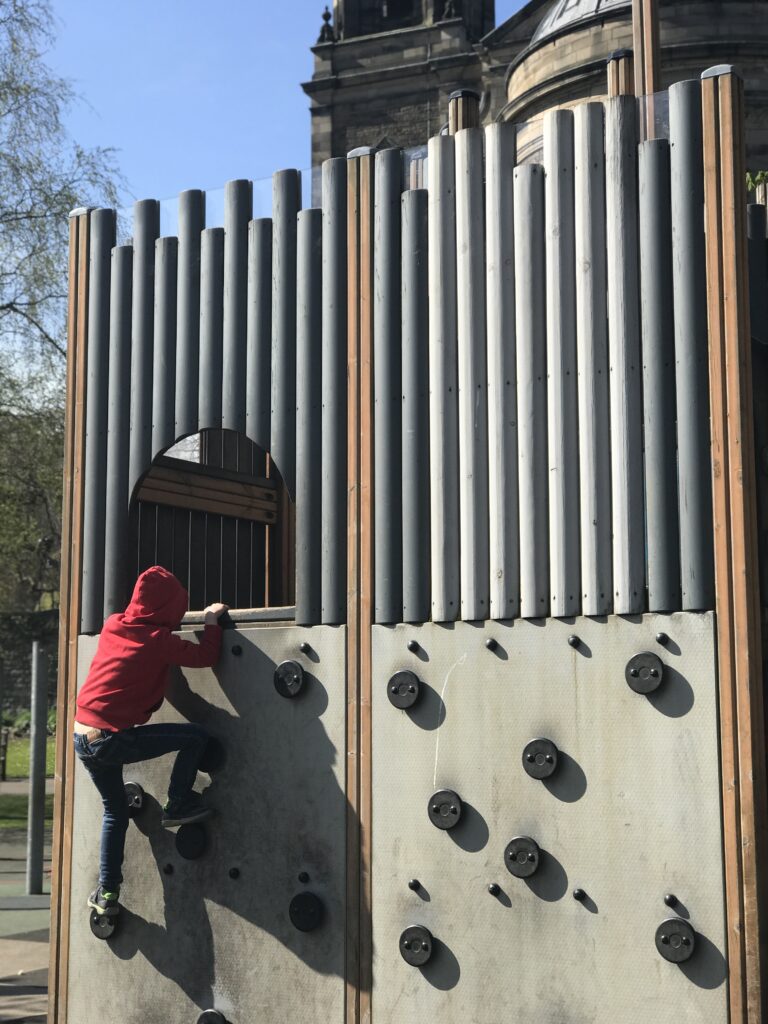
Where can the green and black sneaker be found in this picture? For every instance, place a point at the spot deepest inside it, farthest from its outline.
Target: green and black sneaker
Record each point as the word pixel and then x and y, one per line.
pixel 185 812
pixel 104 902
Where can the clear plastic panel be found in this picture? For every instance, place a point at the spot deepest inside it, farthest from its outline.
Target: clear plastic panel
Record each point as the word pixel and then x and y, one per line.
pixel 653 116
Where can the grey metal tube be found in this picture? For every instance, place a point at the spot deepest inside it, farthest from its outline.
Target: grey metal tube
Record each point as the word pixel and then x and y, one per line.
pixel 191 223
pixel 238 203
pixel 689 279
pixel 658 334
pixel 211 324
pixel 415 416
pixel 758 272
pixel 97 380
pixel 37 745
pixel 259 332
pixel 286 202
pixel 388 529
pixel 333 497
pixel 531 327
pixel 562 402
pixel 474 559
pixel 308 414
pixel 118 431
pixel 164 350
pixel 146 228
pixel 624 355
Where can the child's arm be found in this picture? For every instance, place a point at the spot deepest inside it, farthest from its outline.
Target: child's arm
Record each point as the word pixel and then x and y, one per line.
pixel 200 655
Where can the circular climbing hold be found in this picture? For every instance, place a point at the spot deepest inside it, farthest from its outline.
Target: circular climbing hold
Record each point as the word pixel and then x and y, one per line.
pixel 540 758
pixel 289 678
pixel 211 1017
pixel 213 757
pixel 168 869
pixel 444 808
pixel 237 650
pixel 103 925
pixel 491 643
pixel 414 885
pixel 675 940
pixel 403 689
pixel 579 895
pixel 234 872
pixel 134 794
pixel 191 841
pixel 304 647
pixel 573 640
pixel 522 856
pixel 306 911
pixel 303 877
pixel 662 638
pixel 413 646
pixel 644 672
pixel 416 945
pixel 494 889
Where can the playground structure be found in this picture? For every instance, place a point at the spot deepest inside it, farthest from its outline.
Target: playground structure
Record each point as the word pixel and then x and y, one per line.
pixel 486 476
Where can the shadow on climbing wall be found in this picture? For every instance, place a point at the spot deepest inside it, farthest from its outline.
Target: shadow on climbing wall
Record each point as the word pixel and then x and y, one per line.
pixel 219 926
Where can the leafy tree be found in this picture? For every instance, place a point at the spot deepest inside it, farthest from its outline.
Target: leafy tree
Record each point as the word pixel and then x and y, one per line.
pixel 43 175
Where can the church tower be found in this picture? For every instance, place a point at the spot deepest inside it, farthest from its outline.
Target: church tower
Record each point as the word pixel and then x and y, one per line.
pixel 384 70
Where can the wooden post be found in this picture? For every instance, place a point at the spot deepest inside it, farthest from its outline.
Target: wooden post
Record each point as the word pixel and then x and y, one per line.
pixel 742 738
pixel 645 42
pixel 360 195
pixel 621 73
pixel 69 618
pixel 463 110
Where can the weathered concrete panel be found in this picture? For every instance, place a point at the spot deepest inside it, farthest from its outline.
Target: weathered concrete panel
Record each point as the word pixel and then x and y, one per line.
pixel 196 938
pixel 632 813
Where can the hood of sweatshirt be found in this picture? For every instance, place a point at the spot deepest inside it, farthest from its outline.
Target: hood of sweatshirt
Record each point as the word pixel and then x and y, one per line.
pixel 158 599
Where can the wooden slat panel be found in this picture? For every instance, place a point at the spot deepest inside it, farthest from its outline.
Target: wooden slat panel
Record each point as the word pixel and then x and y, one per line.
pixel 255 513
pixel 195 497
pixel 263 489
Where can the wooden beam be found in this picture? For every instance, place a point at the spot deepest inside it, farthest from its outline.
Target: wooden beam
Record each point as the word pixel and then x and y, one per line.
pixel 69 619
pixel 645 42
pixel 621 73
pixel 742 735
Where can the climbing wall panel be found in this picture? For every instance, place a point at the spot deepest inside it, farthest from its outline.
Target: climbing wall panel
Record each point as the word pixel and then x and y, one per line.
pixel 630 815
pixel 215 932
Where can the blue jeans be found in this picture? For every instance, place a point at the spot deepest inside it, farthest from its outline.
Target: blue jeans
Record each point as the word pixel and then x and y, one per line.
pixel 104 758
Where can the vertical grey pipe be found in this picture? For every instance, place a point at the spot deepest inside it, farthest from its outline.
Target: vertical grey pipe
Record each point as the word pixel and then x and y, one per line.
pixel 308 414
pixel 238 203
pixel 443 381
pixel 689 277
pixel 146 228
pixel 592 361
pixel 191 223
pixel 658 334
pixel 37 744
pixel 164 361
pixel 333 496
pixel 473 376
pixel 259 332
pixel 624 355
pixel 500 142
pixel 118 431
pixel 286 201
pixel 97 380
pixel 211 324
pixel 531 329
pixel 562 406
pixel 758 273
pixel 387 408
pixel 415 402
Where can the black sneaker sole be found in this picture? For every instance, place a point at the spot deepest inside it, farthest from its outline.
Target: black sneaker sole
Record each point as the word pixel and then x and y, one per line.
pixel 187 819
pixel 104 911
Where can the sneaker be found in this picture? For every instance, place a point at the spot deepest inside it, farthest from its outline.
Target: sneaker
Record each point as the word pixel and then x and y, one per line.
pixel 104 902
pixel 184 812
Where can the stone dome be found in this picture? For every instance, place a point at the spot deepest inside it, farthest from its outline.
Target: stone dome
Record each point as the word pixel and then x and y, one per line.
pixel 565 14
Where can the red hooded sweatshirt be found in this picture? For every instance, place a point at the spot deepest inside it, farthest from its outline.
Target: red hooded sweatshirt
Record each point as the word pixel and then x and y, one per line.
pixel 129 673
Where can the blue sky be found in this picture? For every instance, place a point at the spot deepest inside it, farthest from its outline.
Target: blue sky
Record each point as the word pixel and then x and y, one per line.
pixel 192 93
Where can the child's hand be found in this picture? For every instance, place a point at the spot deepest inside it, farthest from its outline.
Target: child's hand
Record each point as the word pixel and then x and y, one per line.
pixel 212 613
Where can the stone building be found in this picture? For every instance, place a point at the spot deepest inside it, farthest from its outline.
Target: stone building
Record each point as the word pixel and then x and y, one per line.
pixel 384 70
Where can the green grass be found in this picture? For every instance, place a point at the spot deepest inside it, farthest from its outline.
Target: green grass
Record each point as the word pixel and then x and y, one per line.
pixel 13 810
pixel 17 763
